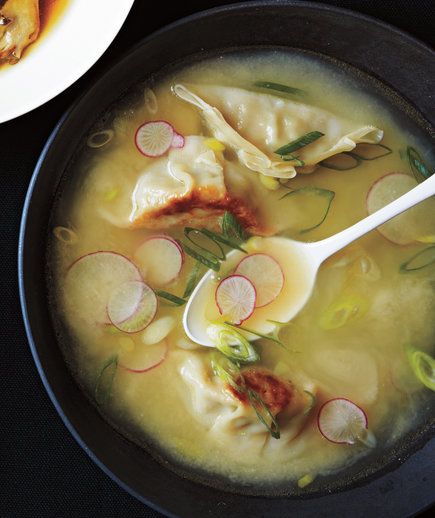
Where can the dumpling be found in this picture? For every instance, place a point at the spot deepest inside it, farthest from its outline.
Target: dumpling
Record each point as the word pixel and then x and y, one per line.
pixel 19 27
pixel 185 187
pixel 227 417
pixel 189 178
pixel 257 124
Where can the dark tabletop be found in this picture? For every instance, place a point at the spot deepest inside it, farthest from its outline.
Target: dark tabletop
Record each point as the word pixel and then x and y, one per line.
pixel 43 472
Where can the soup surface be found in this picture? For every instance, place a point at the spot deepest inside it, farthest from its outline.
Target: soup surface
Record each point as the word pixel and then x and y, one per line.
pixel 248 147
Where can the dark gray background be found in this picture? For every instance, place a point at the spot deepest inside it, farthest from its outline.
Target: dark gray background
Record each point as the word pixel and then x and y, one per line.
pixel 43 472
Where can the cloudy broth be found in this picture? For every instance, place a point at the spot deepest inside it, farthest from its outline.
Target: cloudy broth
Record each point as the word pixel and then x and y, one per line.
pixel 350 341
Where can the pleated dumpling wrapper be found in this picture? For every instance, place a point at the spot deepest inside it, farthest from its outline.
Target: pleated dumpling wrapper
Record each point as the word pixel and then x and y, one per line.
pixel 185 187
pixel 256 125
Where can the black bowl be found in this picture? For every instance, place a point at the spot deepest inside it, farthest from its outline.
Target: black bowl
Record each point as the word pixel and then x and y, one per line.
pixel 386 61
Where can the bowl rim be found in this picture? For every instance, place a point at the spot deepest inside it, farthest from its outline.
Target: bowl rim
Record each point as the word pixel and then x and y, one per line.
pixel 24 219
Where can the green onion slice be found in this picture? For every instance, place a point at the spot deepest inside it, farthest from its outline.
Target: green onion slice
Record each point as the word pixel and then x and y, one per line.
pixel 291 158
pixel 211 262
pixel 272 336
pixel 312 402
pixel 192 280
pixel 188 231
pixel 264 414
pixel 341 162
pixel 419 169
pixel 218 238
pixel 315 191
pixel 300 142
pixel 226 370
pixel 103 386
pixel 279 87
pixel 423 366
pixel 349 160
pixel 231 228
pixel 365 151
pixel 235 346
pixel 420 260
pixel 177 301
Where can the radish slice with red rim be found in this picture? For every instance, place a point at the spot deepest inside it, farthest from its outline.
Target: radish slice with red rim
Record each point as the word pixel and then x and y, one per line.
pixel 132 306
pixel 160 259
pixel 235 298
pixel 410 226
pixel 342 422
pixel 177 140
pixel 91 280
pixel 155 138
pixel 143 358
pixel 266 275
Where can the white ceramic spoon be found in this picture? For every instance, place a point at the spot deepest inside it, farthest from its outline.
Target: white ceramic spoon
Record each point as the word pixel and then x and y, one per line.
pixel 300 262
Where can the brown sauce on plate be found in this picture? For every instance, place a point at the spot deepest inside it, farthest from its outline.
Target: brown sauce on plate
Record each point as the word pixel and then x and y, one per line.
pixel 49 13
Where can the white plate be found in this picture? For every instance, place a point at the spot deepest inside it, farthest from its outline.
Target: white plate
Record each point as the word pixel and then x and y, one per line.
pixel 75 41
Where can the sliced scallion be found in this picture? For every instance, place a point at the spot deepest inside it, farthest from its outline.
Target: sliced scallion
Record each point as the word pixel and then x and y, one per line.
pixel 420 260
pixel 218 238
pixel 316 191
pixel 419 169
pixel 293 158
pixel 189 231
pixel 423 366
pixel 273 337
pixel 231 228
pixel 278 87
pixel 299 143
pixel 365 150
pixel 305 481
pixel 211 262
pixel 341 162
pixel 177 301
pixel 235 346
pixel 263 413
pixel 226 370
pixel 232 235
pixel 312 402
pixel 103 386
pixel 192 280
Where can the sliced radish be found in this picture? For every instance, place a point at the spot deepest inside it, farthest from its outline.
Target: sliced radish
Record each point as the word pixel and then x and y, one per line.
pixel 177 140
pixel 132 306
pixel 155 138
pixel 160 259
pixel 341 421
pixel 235 298
pixel 91 280
pixel 266 275
pixel 143 358
pixel 409 226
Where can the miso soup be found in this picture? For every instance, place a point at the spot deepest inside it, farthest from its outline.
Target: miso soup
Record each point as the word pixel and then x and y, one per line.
pixel 213 159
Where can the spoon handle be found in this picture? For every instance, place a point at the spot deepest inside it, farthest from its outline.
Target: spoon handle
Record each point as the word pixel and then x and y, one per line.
pixel 330 245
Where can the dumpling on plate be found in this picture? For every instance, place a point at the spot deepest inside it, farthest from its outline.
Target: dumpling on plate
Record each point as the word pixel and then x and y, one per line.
pixel 19 27
pixel 256 125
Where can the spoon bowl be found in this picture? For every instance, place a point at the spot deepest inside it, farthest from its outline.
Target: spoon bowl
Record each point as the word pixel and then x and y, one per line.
pixel 300 263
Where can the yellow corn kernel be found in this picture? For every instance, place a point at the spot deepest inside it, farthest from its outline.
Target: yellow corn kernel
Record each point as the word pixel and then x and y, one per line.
pixel 270 182
pixel 305 481
pixel 214 144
